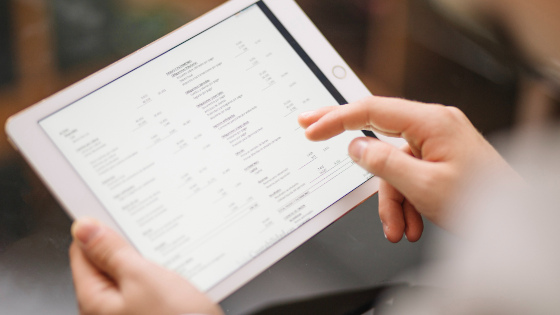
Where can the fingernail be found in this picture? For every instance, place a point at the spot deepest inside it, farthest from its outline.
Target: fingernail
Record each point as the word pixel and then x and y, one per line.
pixel 384 227
pixel 357 148
pixel 84 230
pixel 307 114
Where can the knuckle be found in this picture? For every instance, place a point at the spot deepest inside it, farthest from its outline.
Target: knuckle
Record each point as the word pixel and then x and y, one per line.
pixel 365 104
pixel 453 114
pixel 445 119
pixel 365 101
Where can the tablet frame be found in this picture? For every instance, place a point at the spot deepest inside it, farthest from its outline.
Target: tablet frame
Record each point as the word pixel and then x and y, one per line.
pixel 77 199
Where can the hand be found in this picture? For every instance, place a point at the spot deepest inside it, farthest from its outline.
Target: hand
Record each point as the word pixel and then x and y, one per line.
pixel 110 277
pixel 444 151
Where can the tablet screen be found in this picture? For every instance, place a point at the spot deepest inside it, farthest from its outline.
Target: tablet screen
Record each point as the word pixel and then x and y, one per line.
pixel 197 154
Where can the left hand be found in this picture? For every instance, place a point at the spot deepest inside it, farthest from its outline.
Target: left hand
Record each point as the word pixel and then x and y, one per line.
pixel 110 277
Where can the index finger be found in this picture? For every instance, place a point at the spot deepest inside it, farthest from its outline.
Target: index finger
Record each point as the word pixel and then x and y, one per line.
pixel 388 116
pixel 308 118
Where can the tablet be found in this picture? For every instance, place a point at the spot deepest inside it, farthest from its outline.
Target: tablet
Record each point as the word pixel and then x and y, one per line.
pixel 191 149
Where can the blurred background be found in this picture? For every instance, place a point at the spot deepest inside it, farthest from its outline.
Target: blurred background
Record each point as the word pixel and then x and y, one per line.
pixel 430 51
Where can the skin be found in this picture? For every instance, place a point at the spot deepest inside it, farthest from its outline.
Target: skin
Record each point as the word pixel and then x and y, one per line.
pixel 110 277
pixel 421 179
pixel 443 151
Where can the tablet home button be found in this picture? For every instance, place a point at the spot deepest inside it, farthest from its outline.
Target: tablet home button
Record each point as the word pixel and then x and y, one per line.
pixel 339 72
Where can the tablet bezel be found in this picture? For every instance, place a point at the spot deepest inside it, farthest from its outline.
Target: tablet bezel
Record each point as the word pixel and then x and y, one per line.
pixel 78 200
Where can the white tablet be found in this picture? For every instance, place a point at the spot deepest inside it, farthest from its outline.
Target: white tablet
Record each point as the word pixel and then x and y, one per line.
pixel 190 147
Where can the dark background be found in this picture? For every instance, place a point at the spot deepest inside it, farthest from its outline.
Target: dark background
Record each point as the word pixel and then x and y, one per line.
pixel 6 50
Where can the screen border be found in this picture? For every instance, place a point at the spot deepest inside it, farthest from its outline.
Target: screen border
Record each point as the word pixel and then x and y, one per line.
pixel 77 199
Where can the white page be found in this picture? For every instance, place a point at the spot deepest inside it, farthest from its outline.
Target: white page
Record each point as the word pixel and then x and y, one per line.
pixel 198 155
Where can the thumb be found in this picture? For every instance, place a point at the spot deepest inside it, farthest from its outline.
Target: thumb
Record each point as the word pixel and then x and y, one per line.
pixel 103 247
pixel 398 168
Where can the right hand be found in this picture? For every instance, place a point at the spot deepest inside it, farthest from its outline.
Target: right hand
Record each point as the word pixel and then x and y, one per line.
pixel 444 151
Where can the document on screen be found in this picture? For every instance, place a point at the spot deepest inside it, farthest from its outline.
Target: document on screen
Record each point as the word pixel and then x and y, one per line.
pixel 197 154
